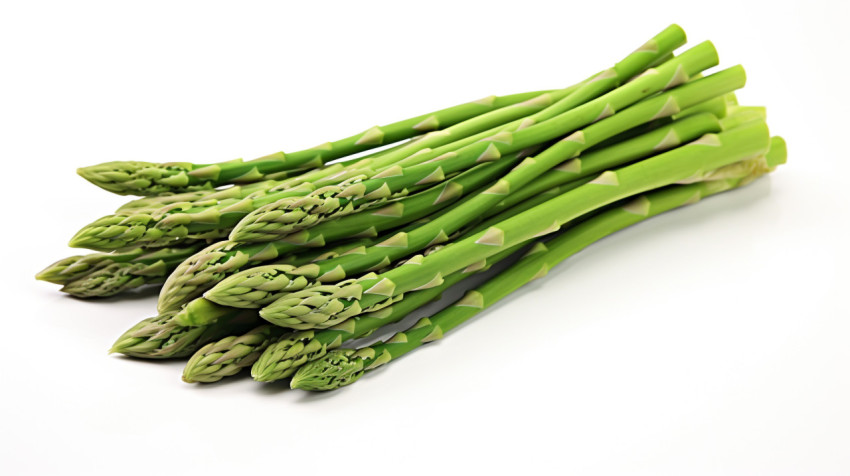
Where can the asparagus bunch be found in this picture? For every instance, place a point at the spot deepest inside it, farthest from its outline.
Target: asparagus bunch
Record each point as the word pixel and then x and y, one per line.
pixel 274 264
pixel 343 367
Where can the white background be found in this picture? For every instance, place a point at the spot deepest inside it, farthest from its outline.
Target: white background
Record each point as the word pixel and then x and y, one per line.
pixel 711 340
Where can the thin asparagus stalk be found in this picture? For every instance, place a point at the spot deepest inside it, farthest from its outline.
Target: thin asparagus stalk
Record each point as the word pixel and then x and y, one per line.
pixel 291 214
pixel 324 306
pixel 228 356
pixel 161 338
pixel 259 286
pixel 116 278
pixel 146 178
pixel 343 367
pixel 153 262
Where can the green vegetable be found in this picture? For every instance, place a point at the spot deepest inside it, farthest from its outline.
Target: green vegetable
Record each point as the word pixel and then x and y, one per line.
pixel 323 306
pixel 261 285
pixel 146 178
pixel 345 366
pixel 292 214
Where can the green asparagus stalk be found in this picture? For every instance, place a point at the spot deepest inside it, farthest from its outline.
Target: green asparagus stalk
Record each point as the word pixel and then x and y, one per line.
pixel 291 214
pixel 145 262
pixel 161 338
pixel 230 355
pixel 212 264
pixel 326 305
pixel 345 366
pixel 146 178
pixel 259 286
pixel 115 278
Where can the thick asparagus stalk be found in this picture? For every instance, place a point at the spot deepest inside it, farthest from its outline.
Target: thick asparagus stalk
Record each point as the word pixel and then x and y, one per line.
pixel 260 286
pixel 292 214
pixel 345 366
pixel 146 178
pixel 326 305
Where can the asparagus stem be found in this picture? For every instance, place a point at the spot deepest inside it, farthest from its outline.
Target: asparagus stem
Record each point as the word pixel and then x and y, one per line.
pixel 146 178
pixel 161 338
pixel 154 262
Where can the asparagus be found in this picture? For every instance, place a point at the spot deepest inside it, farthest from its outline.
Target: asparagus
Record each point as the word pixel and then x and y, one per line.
pixel 202 270
pixel 291 214
pixel 146 178
pixel 230 355
pixel 160 337
pixel 115 278
pixel 145 262
pixel 343 367
pixel 660 105
pixel 259 286
pixel 213 219
pixel 324 306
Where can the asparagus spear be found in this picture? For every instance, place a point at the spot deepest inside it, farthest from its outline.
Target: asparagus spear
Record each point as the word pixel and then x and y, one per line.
pixel 202 270
pixel 116 278
pixel 230 355
pixel 153 262
pixel 324 306
pixel 146 178
pixel 291 214
pixel 259 286
pixel 161 338
pixel 345 366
